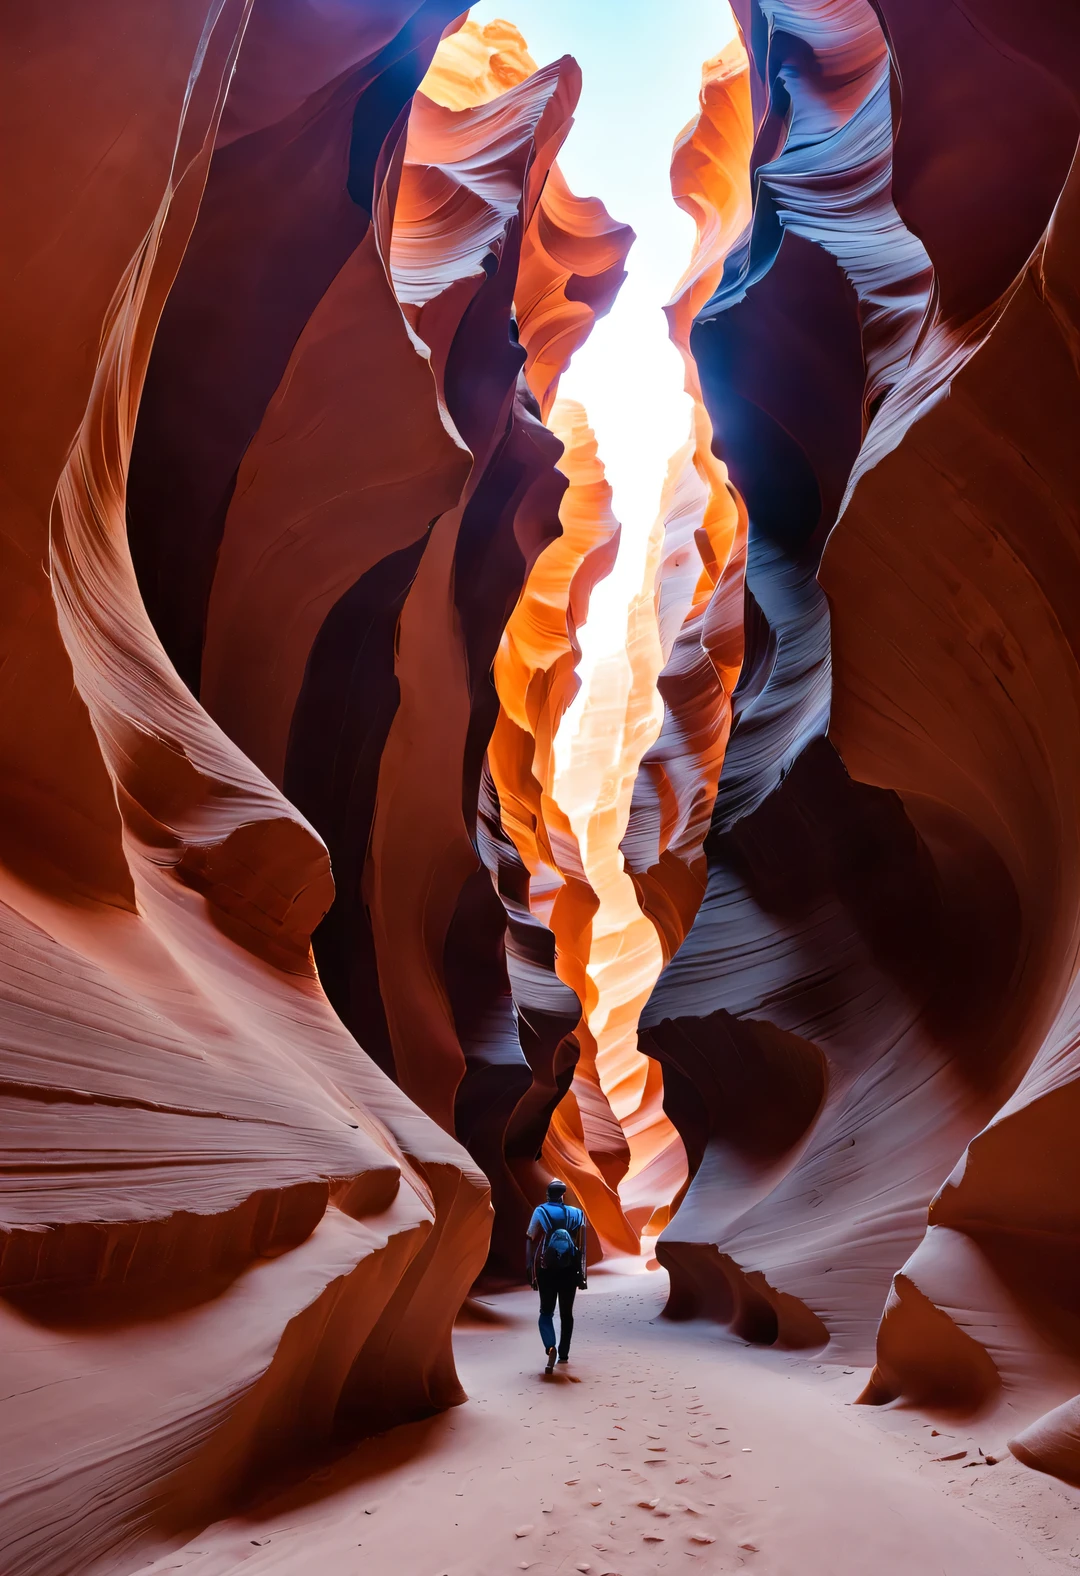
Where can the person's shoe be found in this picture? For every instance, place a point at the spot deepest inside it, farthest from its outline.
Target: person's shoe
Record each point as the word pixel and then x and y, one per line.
pixel 551 1354
pixel 563 1360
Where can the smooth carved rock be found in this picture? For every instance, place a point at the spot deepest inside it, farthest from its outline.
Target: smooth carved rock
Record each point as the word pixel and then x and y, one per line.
pixel 212 1192
pixel 876 1001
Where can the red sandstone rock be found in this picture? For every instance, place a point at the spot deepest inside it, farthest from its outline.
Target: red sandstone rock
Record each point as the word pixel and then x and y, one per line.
pixel 988 1275
pixel 535 677
pixel 213 1194
pixel 269 442
pixel 331 537
pixel 869 1033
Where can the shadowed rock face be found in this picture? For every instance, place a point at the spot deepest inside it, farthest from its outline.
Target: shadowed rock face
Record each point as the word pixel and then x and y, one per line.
pixel 340 482
pixel 274 475
pixel 869 1034
pixel 296 544
pixel 701 577
pixel 211 1192
pixel 261 539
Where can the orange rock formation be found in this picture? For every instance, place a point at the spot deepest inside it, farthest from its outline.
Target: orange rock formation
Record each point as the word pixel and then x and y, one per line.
pixel 868 1034
pixel 571 265
pixel 331 540
pixel 702 568
pixel 618 781
pixel 224 1230
pixel 536 680
pixel 298 542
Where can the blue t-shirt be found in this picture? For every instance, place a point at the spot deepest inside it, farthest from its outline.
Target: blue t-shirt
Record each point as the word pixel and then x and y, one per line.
pixel 549 1217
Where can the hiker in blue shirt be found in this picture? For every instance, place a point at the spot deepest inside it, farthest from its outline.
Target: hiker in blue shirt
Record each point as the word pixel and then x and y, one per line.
pixel 555 1261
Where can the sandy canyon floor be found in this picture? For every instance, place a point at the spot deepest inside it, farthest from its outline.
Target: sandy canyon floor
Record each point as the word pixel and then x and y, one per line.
pixel 663 1448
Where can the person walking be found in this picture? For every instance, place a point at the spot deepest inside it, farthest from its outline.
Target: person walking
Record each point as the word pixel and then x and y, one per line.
pixel 556 1264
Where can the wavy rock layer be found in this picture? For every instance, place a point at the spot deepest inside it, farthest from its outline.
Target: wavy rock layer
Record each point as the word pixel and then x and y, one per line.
pixel 565 808
pixel 700 582
pixel 995 746
pixel 571 265
pixel 536 680
pixel 331 539
pixel 224 1233
pixel 869 1034
pixel 611 823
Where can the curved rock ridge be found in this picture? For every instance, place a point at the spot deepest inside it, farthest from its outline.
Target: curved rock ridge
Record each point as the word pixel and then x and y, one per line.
pixel 869 1034
pixel 611 723
pixel 469 184
pixel 990 467
pixel 571 265
pixel 568 806
pixel 386 485
pixel 225 1235
pixel 535 675
pixel 572 251
pixel 701 574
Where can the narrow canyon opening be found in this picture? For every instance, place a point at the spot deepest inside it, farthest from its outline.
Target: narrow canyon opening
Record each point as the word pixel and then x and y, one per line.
pixel 541 553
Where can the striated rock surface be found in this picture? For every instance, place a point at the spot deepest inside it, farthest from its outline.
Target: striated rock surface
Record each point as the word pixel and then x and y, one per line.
pixel 332 909
pixel 225 1236
pixel 868 1035
pixel 569 758
pixel 992 468
pixel 331 542
pixel 536 680
pixel 607 791
pixel 571 265
pixel 625 804
pixel 700 581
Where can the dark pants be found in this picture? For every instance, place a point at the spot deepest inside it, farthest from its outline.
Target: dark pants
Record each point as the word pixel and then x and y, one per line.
pixel 557 1286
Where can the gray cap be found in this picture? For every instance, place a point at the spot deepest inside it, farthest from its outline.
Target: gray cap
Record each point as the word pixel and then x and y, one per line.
pixel 556 1189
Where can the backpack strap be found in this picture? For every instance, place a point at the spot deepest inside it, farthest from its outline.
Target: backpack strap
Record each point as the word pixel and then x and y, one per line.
pixel 549 1227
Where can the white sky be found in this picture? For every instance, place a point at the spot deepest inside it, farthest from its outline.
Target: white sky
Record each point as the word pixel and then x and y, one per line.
pixel 641 64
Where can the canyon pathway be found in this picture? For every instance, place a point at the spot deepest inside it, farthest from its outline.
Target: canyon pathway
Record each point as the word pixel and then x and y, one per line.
pixel 666 1448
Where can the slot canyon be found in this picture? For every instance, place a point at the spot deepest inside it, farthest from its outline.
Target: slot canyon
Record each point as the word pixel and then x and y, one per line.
pixel 503 678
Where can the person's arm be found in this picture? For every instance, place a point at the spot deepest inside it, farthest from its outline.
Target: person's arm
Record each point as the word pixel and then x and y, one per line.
pixel 583 1273
pixel 532 1242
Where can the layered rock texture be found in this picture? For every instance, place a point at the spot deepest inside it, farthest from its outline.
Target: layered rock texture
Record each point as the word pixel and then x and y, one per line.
pixel 279 328
pixel 607 789
pixel 869 1034
pixel 330 903
pixel 225 1232
pixel 340 482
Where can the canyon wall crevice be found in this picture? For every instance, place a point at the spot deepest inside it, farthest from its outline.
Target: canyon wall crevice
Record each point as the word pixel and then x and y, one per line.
pixel 357 512
pixel 890 860
pixel 337 908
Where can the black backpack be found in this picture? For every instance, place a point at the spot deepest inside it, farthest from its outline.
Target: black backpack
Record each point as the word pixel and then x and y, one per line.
pixel 560 1251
